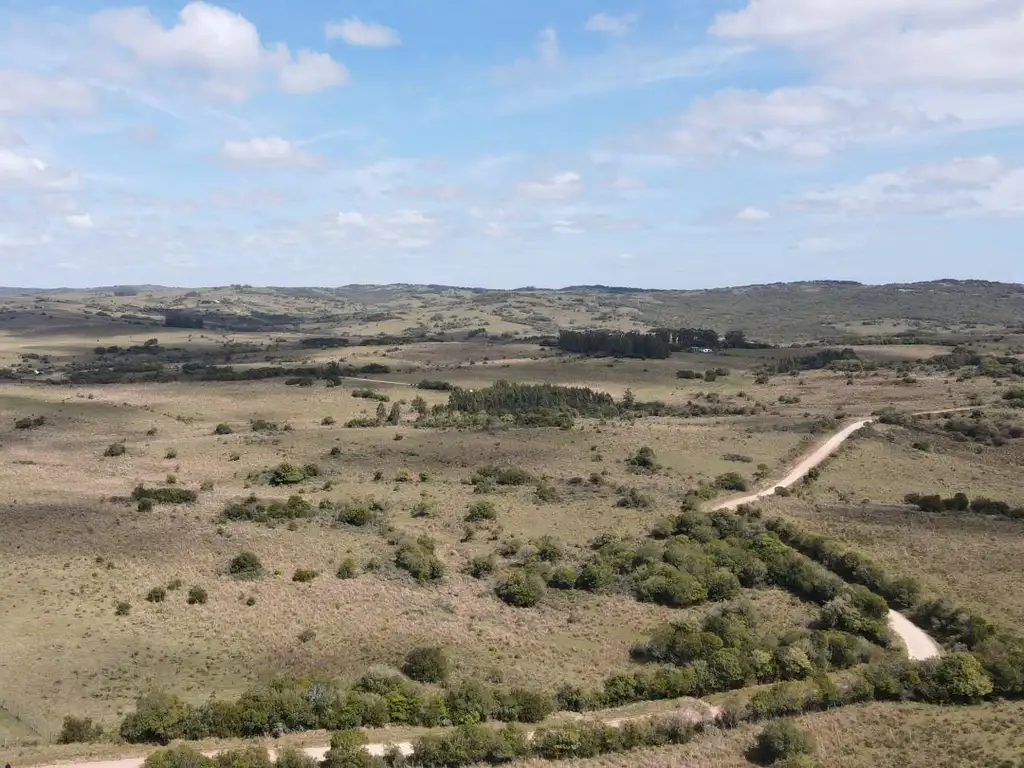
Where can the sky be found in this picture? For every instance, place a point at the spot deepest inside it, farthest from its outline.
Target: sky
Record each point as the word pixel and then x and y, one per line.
pixel 652 143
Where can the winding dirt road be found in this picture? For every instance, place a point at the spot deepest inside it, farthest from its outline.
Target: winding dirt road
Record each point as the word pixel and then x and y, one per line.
pixel 919 645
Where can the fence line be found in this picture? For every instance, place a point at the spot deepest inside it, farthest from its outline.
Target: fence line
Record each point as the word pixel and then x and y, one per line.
pixel 41 734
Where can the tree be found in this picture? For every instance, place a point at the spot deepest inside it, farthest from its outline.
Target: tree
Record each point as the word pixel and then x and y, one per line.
pixel 426 665
pixel 419 405
pixel 781 740
pixel 628 399
pixel 395 415
pixel 735 339
pixel 960 677
pixel 521 590
pixel 382 414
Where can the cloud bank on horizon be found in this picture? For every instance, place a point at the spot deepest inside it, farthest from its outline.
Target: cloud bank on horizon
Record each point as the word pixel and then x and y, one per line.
pixel 657 144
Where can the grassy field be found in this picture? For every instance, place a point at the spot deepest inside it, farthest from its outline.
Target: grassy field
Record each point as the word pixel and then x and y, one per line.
pixel 73 547
pixel 71 552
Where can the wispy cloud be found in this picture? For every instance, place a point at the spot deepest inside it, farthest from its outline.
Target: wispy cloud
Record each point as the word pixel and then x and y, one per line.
pixel 355 31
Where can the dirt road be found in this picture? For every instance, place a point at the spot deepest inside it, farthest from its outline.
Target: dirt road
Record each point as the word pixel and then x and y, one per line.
pixel 919 646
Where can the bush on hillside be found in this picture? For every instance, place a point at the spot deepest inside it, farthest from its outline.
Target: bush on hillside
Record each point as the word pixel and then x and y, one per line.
pixel 245 565
pixel 781 740
pixel 426 665
pixel 521 590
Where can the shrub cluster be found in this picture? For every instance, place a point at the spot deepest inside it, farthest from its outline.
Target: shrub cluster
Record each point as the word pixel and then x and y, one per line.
pixel 369 394
pixel 475 744
pixel 164 495
pixel 357 512
pixel 999 654
pixel 960 503
pixel 30 422
pixel 286 705
pixel 261 511
pixel 417 557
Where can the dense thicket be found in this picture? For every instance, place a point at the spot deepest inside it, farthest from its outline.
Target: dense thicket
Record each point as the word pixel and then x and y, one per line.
pixel 614 343
pixel 823 358
pixel 960 503
pixel 510 397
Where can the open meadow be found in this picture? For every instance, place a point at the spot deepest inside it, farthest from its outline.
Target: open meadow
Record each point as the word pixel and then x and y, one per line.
pixel 307 486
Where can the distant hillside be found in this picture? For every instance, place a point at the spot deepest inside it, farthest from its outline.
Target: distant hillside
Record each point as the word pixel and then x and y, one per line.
pixel 778 312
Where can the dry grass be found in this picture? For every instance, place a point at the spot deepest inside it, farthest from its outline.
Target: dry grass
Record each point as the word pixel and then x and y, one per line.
pixel 70 553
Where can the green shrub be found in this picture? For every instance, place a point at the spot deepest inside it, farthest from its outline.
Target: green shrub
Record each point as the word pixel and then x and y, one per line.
pixel 123 608
pixel 180 756
pixel 156 595
pixel 731 481
pixel 521 590
pixel 197 596
pixel 252 508
pixel 250 756
pixel 643 461
pixel 595 577
pixel 328 421
pixel 358 513
pixel 293 757
pixel 304 575
pixel 171 454
pixel 115 449
pixel 30 422
pixel 480 511
pixel 416 556
pixel 79 730
pixel 513 476
pixel 246 566
pixel 426 665
pixel 262 425
pixel 723 585
pixel 563 577
pixel 481 566
pixel 672 588
pixel 781 740
pixel 546 494
pixel 347 569
pixel 634 499
pixel 223 429
pixel 164 495
pixel 959 677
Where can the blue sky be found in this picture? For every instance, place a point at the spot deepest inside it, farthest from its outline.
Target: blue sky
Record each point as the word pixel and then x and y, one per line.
pixel 658 143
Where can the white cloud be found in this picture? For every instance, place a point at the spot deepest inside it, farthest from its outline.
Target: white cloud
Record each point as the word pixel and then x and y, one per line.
pixel 978 185
pixel 753 214
pixel 27 93
pixel 269 152
pixel 566 227
pixel 221 44
pixel 614 25
pixel 547 58
pixel 805 122
pixel 561 186
pixel 355 31
pixel 406 229
pixel 80 220
pixel 920 42
pixel 24 241
pixel 310 72
pixel 20 170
